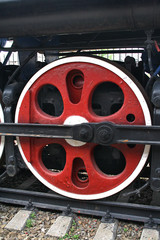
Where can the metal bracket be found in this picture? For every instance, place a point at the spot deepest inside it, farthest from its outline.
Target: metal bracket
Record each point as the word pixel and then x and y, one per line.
pixel 29 206
pixel 67 211
pixel 149 43
pixel 107 218
pixel 150 223
pixel 3 176
pixel 10 96
pixel 11 165
pixel 136 191
pixel 155 163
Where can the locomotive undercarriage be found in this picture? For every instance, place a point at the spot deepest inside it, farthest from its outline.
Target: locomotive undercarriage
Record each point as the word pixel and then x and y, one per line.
pixel 86 127
pixel 83 126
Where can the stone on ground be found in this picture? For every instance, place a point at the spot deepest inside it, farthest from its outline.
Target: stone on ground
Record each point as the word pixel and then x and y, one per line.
pixel 150 234
pixel 60 227
pixel 106 231
pixel 19 220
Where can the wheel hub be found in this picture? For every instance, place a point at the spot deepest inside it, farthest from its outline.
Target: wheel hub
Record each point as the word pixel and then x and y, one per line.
pixel 72 120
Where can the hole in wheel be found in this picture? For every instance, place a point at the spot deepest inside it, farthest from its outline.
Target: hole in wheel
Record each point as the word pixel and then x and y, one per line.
pixel 78 81
pixel 107 99
pixel 82 175
pixel 50 100
pixel 54 157
pixel 130 117
pixel 131 145
pixel 109 160
pixel 79 173
pixel 76 77
pixel 75 82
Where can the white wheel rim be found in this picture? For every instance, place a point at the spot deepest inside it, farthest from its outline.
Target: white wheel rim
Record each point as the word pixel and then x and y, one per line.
pixel 2 137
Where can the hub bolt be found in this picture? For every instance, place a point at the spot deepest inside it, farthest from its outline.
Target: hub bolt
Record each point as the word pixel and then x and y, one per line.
pixel 104 134
pixel 86 133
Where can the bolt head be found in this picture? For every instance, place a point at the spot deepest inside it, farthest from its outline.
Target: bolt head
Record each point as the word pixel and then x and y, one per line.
pixel 86 133
pixel 104 134
pixel 83 134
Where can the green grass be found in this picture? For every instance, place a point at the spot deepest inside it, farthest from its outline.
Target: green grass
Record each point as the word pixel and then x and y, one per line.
pixel 71 234
pixel 30 221
pixel 125 229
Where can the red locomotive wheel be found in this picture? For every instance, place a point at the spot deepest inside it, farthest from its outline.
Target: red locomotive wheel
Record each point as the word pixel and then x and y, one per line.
pixel 74 90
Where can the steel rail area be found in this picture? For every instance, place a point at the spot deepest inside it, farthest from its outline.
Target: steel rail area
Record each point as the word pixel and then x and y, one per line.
pixel 101 208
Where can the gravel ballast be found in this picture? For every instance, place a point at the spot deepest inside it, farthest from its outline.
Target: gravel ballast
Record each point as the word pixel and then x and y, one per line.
pixel 83 228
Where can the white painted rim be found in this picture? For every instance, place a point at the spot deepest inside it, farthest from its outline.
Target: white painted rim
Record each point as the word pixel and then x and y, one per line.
pixel 140 98
pixel 2 137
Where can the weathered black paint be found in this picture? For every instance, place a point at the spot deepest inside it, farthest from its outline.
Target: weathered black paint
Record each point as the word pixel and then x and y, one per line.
pixel 49 17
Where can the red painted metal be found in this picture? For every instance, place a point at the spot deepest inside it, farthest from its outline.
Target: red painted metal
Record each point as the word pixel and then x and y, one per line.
pixel 79 158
